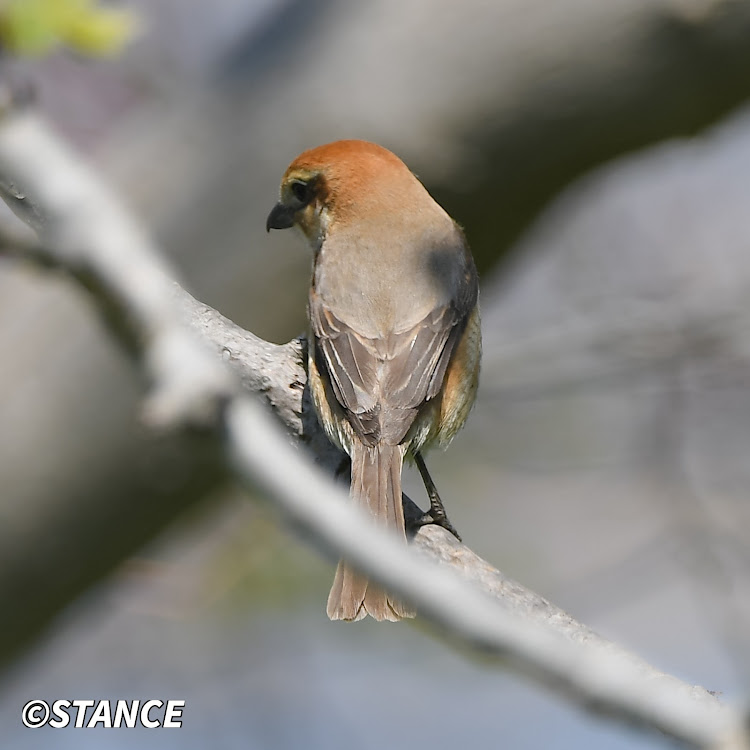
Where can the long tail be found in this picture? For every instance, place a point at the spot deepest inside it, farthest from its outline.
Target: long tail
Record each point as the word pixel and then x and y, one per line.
pixel 376 487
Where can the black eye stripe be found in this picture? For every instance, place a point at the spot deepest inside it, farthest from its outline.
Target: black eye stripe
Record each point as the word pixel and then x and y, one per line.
pixel 301 191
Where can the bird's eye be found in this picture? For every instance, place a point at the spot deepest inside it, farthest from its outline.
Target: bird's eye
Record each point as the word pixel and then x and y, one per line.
pixel 301 191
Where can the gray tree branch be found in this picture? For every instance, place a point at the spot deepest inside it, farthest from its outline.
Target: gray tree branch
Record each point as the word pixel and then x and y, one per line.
pixel 548 91
pixel 84 230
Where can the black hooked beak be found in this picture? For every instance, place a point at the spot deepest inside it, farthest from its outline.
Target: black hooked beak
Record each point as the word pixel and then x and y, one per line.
pixel 281 217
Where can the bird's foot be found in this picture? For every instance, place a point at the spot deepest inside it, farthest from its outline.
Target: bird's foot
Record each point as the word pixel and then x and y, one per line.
pixel 435 515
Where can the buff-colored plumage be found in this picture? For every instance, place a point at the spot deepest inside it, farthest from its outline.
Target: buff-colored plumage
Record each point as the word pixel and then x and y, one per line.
pixel 394 342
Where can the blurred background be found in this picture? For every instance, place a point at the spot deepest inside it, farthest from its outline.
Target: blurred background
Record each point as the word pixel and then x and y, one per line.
pixel 598 156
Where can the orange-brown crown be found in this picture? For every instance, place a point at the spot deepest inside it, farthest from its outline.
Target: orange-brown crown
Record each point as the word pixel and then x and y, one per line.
pixel 347 181
pixel 355 164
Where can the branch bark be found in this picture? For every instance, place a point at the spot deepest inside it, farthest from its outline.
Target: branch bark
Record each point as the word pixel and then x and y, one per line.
pixel 85 231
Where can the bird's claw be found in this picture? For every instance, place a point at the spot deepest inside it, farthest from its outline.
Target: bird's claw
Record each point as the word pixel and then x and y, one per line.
pixel 437 517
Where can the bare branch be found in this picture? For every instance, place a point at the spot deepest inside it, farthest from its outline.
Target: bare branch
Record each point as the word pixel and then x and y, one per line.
pixel 548 91
pixel 85 230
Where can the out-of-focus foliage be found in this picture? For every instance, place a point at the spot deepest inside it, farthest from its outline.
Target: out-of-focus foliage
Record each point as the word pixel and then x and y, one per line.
pixel 38 27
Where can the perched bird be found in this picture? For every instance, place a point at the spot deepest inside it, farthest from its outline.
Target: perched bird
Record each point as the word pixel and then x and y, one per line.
pixel 394 341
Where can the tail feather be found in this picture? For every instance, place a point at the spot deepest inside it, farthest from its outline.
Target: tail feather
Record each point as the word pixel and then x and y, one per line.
pixel 375 487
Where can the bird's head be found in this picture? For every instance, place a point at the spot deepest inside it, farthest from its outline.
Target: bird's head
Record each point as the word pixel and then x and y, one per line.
pixel 346 183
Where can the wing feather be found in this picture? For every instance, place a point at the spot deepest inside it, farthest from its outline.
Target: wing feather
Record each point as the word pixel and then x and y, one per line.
pixel 381 383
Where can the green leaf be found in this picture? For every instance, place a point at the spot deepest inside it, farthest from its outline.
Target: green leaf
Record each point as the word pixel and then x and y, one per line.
pixel 38 27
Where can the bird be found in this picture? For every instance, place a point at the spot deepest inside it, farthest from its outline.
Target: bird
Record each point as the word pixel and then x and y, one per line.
pixel 394 345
